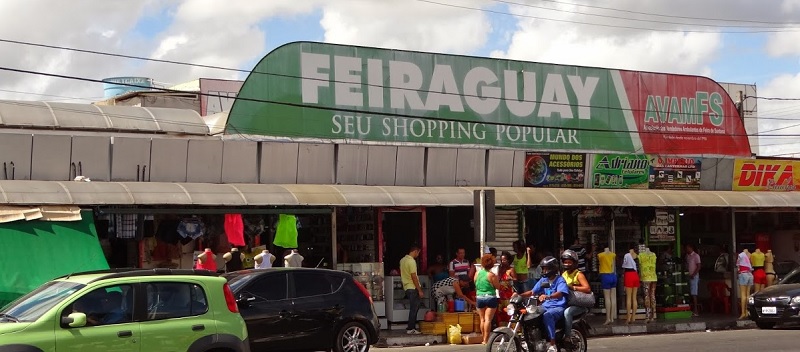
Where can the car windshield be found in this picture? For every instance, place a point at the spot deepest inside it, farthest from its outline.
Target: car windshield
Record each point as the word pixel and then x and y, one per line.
pixel 791 278
pixel 32 306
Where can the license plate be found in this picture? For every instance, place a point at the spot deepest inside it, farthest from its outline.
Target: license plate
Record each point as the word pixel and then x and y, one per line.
pixel 769 310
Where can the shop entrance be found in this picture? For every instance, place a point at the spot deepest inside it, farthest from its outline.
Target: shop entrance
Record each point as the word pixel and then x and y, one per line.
pixel 399 229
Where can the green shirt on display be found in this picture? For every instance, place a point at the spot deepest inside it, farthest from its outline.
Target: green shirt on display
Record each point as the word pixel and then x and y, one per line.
pixel 286 233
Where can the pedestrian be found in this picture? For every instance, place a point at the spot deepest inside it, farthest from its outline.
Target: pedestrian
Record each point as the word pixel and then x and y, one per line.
pixel 521 263
pixel 437 270
pixel 553 297
pixel 460 265
pixel 414 293
pixel 693 267
pixel 486 284
pixel 451 288
pixel 576 281
pixel 507 277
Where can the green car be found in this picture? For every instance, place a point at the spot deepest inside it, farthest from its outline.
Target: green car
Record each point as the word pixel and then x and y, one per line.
pixel 126 310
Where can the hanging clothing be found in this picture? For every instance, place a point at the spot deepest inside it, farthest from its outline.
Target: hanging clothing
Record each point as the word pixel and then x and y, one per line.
pixel 192 228
pixel 234 229
pixel 286 234
pixel 253 226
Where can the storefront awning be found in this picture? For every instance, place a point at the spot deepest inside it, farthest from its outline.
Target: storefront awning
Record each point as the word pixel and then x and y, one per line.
pixel 157 193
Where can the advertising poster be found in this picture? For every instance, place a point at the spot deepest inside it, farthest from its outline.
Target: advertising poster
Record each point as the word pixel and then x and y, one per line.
pixel 674 172
pixel 765 175
pixel 620 171
pixel 556 170
pixel 341 92
pixel 662 228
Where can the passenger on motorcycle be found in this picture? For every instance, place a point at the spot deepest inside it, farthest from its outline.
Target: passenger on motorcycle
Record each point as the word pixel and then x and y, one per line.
pixel 553 297
pixel 576 281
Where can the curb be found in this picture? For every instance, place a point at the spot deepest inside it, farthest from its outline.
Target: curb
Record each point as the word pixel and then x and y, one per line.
pixel 597 331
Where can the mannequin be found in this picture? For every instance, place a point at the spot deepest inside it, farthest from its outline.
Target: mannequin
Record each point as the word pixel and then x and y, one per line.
pixel 757 259
pixel 632 283
pixel 647 271
pixel 608 279
pixel 769 268
pixel 745 280
pixel 264 260
pixel 293 260
pixel 233 260
pixel 207 260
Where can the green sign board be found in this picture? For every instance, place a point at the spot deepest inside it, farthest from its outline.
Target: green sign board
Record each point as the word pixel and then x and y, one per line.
pixel 333 92
pixel 620 171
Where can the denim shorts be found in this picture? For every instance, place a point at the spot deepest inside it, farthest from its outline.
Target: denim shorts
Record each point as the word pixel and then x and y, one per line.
pixel 745 279
pixel 693 282
pixel 487 302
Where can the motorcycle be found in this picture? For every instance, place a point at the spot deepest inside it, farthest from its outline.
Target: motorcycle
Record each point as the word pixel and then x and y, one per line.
pixel 526 332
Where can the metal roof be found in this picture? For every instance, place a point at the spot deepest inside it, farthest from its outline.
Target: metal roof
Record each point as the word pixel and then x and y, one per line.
pixel 201 194
pixel 52 115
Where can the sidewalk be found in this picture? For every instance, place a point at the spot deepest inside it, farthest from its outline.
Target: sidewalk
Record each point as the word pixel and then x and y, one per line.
pixel 712 322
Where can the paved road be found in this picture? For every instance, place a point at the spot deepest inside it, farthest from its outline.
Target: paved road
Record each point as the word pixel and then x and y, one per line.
pixel 784 340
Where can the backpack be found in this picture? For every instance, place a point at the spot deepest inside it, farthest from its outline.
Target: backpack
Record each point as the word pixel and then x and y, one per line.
pixel 721 265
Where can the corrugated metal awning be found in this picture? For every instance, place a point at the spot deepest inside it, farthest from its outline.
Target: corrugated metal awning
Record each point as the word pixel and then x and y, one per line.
pixel 201 194
pixel 100 117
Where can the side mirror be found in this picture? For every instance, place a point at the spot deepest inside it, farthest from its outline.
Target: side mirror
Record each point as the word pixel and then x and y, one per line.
pixel 74 320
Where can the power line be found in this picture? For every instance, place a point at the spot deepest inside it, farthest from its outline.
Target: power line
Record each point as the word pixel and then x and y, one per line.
pixel 355 111
pixel 636 19
pixel 606 25
pixel 282 75
pixel 667 16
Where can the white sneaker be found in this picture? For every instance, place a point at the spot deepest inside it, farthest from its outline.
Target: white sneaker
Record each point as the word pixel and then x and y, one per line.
pixel 413 332
pixel 552 349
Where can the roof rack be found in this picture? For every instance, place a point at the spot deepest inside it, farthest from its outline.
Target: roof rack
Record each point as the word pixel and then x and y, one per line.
pixel 130 272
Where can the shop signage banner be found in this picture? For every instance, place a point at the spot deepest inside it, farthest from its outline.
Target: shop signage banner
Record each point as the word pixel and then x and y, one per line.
pixel 329 92
pixel 555 170
pixel 667 172
pixel 662 228
pixel 620 171
pixel 765 175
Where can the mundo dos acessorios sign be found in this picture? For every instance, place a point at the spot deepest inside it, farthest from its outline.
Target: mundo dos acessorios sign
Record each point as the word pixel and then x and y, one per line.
pixel 337 92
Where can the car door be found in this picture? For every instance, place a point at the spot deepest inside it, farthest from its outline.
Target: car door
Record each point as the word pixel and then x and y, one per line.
pixel 315 307
pixel 109 327
pixel 265 306
pixel 176 315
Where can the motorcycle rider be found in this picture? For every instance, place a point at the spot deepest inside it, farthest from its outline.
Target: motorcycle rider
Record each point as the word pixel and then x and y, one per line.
pixel 553 298
pixel 576 281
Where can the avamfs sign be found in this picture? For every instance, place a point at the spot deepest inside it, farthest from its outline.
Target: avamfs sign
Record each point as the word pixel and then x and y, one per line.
pixel 333 92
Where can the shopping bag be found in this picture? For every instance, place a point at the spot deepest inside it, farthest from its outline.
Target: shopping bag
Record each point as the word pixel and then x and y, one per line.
pixel 454 334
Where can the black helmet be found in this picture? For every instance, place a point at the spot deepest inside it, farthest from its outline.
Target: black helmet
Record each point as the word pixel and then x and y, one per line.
pixel 549 266
pixel 571 255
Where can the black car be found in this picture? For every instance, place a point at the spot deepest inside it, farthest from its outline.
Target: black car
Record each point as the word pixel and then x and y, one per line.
pixel 305 310
pixel 777 304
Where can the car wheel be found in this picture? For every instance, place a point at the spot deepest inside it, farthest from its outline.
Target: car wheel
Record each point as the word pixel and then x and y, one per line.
pixel 352 337
pixel 765 325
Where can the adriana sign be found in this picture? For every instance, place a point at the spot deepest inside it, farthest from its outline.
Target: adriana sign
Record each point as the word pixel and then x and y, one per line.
pixel 319 91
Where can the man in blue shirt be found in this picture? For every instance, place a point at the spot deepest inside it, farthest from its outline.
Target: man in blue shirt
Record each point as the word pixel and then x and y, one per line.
pixel 553 298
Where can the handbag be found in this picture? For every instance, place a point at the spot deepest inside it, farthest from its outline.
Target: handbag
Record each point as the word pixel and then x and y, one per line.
pixel 581 299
